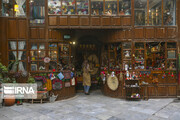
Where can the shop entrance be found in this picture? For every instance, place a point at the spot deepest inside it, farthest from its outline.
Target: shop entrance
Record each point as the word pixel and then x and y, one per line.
pixel 88 48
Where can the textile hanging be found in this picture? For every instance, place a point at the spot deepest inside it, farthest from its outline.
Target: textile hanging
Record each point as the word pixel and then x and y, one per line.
pixel 13 47
pixel 20 11
pixel 20 53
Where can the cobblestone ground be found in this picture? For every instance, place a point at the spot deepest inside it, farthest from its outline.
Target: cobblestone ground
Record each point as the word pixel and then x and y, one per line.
pixel 95 107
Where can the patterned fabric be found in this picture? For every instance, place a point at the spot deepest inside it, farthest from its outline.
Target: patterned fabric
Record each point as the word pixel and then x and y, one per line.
pixel 67 74
pixel 49 85
pixel 60 76
pixel 37 78
pixel 57 84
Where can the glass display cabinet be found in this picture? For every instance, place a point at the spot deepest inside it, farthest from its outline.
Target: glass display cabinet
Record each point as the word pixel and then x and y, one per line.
pixel 82 7
pixel 127 51
pixel 37 55
pixel 110 7
pixel 124 7
pixel 7 8
pixel 68 7
pixel 140 12
pixel 171 56
pixel 155 12
pixel 54 7
pixel 97 7
pixel 37 12
pixel 169 16
pixel 155 56
pixel 139 55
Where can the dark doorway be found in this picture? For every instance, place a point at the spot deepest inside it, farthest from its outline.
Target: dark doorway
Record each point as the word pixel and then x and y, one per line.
pixel 88 47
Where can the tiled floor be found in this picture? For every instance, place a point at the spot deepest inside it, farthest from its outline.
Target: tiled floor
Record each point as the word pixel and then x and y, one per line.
pixel 95 107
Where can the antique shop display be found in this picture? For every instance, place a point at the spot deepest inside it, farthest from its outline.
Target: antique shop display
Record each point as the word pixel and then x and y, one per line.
pixel 37 12
pixel 68 7
pixel 54 7
pixel 82 7
pixel 129 38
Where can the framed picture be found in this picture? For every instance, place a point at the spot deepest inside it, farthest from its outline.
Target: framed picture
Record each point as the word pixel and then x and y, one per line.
pixel 33 67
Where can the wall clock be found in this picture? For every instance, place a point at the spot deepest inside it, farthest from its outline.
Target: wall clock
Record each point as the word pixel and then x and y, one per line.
pixel 112 82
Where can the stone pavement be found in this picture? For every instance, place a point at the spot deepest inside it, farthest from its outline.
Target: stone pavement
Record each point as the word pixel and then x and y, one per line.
pixel 95 107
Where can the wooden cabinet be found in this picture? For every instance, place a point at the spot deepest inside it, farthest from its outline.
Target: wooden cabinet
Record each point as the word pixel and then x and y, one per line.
pixel 95 21
pixel 160 33
pixel 52 20
pixel 138 33
pixel 12 29
pixel 149 33
pixel 63 20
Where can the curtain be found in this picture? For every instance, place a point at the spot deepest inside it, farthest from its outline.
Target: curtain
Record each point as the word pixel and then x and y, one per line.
pixel 13 47
pixel 21 10
pixel 21 46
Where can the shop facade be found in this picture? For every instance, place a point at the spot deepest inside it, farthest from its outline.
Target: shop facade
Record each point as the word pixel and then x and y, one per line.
pixel 132 38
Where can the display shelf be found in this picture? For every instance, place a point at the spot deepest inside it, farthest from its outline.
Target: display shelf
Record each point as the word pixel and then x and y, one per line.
pixel 132 89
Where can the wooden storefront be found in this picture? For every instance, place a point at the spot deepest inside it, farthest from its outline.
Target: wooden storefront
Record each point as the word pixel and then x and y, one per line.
pixel 43 25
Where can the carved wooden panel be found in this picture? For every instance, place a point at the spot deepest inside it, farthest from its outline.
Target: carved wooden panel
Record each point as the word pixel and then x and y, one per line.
pixel 34 33
pixel 126 21
pixel 55 34
pixel 22 29
pixel 138 33
pixel 116 21
pixel 149 33
pixel 52 20
pixel 162 91
pixel 63 20
pixel 41 33
pixel 84 21
pixel 152 91
pixel 73 20
pixel 12 28
pixel 95 21
pixel 50 34
pixel 172 91
pixel 106 21
pixel 129 34
pixel 160 33
pixel 171 33
pixel 122 34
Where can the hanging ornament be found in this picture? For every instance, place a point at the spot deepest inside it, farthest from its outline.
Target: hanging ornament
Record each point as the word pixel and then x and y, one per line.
pixel 147 74
pixel 169 73
pixel 140 75
pixel 172 74
pixel 54 70
pixel 164 76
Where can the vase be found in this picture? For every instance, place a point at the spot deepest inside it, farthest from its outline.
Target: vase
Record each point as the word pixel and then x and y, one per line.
pixel 9 101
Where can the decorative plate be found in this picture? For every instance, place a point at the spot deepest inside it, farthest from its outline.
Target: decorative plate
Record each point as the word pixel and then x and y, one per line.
pixel 112 82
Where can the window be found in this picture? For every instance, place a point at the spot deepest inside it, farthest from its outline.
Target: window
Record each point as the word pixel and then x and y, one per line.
pixel 155 56
pixel 7 8
pixel 20 8
pixel 54 7
pixel 37 55
pixel 140 12
pixel 124 7
pixel 155 12
pixel 97 7
pixel 110 7
pixel 68 7
pixel 169 7
pixel 82 7
pixel 139 56
pixel 171 56
pixel 37 12
pixel 127 62
pixel 17 51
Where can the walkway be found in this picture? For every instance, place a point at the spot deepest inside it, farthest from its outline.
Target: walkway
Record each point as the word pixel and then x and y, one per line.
pixel 95 107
